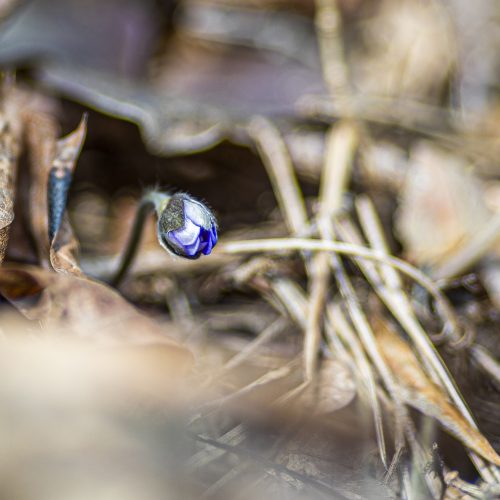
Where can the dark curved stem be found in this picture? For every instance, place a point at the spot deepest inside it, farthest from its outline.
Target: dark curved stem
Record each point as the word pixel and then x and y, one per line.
pixel 149 202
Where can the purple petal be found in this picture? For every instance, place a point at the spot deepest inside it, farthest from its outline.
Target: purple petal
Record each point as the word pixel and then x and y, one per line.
pixel 196 212
pixel 213 234
pixel 188 234
pixel 208 247
pixel 193 248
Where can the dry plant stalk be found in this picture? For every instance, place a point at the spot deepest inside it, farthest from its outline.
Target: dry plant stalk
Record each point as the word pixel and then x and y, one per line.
pixel 399 304
pixel 341 146
pixel 329 29
pixel 279 167
pixel 276 159
pixel 365 373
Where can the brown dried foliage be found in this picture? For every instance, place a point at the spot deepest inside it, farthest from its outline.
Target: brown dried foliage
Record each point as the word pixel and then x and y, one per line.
pixel 301 365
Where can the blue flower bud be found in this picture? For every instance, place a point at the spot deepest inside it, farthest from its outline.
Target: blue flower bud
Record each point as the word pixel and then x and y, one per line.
pixel 187 227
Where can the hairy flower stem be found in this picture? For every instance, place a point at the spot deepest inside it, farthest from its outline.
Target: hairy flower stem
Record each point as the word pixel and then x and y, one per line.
pixel 151 201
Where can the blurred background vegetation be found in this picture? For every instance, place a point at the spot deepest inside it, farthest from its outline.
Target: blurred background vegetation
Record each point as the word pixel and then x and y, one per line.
pixel 263 371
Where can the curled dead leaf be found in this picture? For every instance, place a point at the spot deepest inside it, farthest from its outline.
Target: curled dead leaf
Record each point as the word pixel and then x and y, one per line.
pixel 420 392
pixel 47 154
pixel 63 244
pixel 41 135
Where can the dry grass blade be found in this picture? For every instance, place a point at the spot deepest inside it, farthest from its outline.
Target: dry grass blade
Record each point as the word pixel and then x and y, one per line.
pixel 277 161
pixel 318 290
pixel 329 30
pixel 233 437
pixel 280 170
pixel 367 339
pixel 392 280
pixel 271 331
pixel 373 229
pixel 336 317
pixel 419 391
pixel 399 305
pixel 292 297
pixel 487 362
pixel 354 250
pixel 268 378
pixel 341 146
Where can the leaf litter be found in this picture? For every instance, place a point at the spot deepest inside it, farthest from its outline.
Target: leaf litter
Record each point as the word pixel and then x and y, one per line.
pixel 346 324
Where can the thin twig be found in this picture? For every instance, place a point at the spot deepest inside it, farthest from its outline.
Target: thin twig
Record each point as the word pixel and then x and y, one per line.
pixel 367 338
pixel 280 469
pixel 387 275
pixel 275 328
pixel 234 437
pixel 267 378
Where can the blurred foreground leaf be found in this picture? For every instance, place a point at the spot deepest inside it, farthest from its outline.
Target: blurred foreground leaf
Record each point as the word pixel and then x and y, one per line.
pixel 74 306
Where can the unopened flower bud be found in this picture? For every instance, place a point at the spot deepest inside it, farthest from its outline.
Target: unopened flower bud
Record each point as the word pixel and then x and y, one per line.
pixel 187 227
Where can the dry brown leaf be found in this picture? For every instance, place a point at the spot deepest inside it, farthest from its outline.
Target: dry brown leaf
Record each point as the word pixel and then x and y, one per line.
pixel 332 389
pixel 47 153
pixel 64 247
pixel 411 50
pixel 442 205
pixel 41 131
pixel 10 137
pixel 77 307
pixel 421 393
